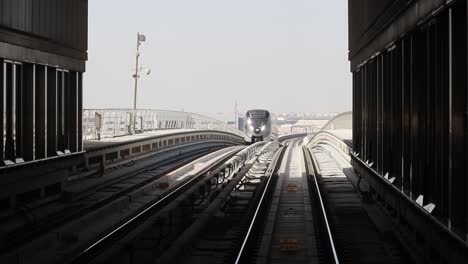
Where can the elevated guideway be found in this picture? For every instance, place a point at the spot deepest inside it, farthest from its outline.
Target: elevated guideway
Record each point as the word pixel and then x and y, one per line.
pixel 111 138
pixel 113 135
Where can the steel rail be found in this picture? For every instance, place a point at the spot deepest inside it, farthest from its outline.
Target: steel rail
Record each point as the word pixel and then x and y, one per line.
pixel 311 158
pixel 270 172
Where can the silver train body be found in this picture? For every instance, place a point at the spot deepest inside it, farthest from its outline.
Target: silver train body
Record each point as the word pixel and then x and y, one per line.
pixel 260 126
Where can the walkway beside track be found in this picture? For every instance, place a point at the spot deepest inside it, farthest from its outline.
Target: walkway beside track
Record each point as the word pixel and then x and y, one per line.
pixel 289 235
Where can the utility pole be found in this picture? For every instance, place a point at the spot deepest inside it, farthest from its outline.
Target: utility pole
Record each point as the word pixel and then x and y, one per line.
pixel 235 114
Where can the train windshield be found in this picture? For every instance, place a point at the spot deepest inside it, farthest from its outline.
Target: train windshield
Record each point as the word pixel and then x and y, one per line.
pixel 257 118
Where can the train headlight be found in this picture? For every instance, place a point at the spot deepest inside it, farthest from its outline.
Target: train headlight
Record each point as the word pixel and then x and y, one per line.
pixel 249 121
pixel 262 128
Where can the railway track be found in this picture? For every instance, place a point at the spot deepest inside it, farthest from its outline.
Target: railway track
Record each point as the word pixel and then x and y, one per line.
pixel 103 209
pixel 267 203
pixel 360 232
pixel 220 227
pixel 291 224
pixel 103 193
pixel 142 236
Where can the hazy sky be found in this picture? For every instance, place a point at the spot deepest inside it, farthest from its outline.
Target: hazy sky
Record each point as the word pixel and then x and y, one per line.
pixel 282 55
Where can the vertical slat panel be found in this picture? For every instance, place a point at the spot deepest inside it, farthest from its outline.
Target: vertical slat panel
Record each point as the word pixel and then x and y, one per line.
pixel 41 111
pixel 418 118
pixel 59 110
pixel 371 111
pixel 2 110
pixel 442 120
pixel 357 114
pixel 396 115
pixel 458 189
pixel 430 104
pixel 18 114
pixel 385 113
pixel 73 112
pixel 364 113
pixel 28 112
pixel 9 103
pixel 66 111
pixel 353 107
pixel 380 113
pixel 406 93
pixel 80 111
pixel 375 87
pixel 51 111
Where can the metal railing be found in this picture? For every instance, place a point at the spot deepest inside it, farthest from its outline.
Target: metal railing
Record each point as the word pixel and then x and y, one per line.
pixel 107 123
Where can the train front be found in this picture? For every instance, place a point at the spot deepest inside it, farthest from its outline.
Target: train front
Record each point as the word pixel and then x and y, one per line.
pixel 257 126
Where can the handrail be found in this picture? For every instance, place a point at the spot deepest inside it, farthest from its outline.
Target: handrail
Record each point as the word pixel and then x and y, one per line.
pixel 107 123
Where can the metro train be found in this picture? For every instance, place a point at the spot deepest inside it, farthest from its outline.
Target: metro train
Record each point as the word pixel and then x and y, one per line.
pixel 260 126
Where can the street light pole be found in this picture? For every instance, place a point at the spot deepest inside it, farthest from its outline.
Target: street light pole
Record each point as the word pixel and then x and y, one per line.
pixel 140 39
pixel 137 55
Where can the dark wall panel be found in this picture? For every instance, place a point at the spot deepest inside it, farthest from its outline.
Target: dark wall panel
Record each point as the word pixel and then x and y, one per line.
pixel 56 20
pixel 42 58
pixel 362 15
pixel 410 105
